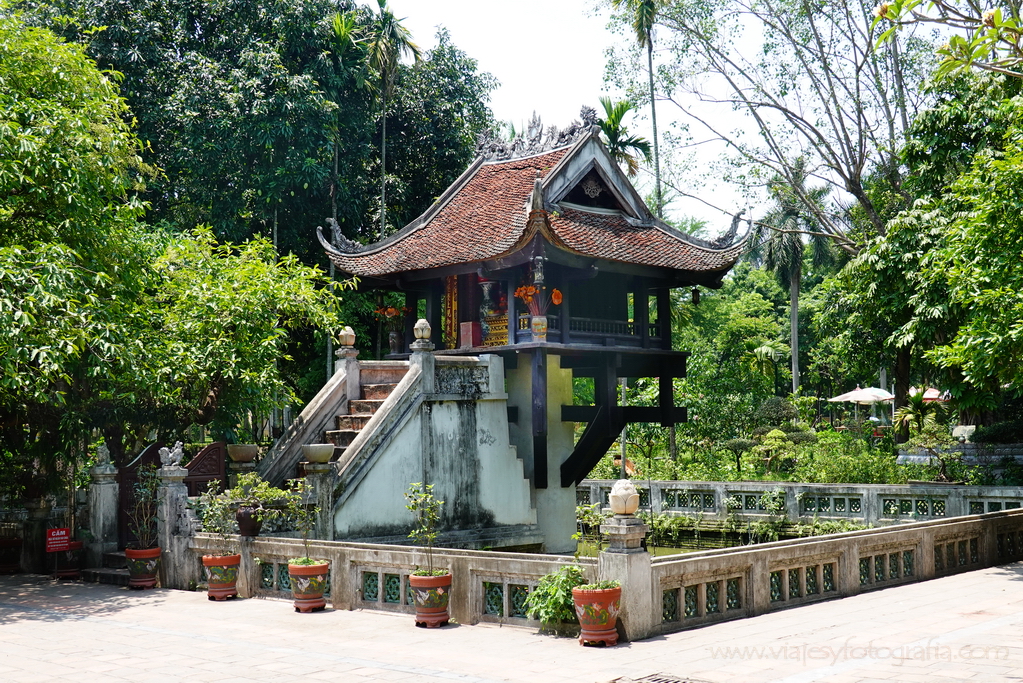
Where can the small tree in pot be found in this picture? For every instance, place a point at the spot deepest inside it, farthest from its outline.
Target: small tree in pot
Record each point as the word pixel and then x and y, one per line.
pixel 308 576
pixel 143 556
pixel 217 514
pixel 431 587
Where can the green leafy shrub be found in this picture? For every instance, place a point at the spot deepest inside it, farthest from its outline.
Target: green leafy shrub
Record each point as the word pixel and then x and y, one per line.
pixel 843 458
pixel 551 600
pixel 1010 431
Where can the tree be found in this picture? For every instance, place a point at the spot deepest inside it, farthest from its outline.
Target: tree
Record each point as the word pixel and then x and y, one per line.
pixel 782 247
pixel 809 79
pixel 643 15
pixel 389 42
pixel 622 147
pixel 993 40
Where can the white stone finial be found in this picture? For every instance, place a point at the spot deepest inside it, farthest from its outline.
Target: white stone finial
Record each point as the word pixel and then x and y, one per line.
pixel 624 498
pixel 422 329
pixel 346 337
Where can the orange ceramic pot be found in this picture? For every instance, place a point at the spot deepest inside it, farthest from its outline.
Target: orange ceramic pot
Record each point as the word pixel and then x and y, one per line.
pixel 598 614
pixel 221 575
pixel 308 583
pixel 143 566
pixel 430 595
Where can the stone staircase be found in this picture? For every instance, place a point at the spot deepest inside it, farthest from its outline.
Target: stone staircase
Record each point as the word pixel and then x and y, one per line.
pixel 114 570
pixel 377 381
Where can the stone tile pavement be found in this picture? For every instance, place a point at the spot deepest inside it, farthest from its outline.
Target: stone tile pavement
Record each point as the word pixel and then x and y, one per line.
pixel 967 627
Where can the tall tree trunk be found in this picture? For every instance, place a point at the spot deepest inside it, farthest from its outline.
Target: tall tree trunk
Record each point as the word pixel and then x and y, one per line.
pixel 333 214
pixel 383 171
pixel 794 327
pixel 902 366
pixel 653 118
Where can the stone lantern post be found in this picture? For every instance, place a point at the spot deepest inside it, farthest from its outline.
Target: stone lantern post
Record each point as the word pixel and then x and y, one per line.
pixel 626 561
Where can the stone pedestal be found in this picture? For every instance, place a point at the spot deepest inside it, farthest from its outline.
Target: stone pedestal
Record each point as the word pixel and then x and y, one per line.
pixel 627 562
pixel 347 360
pixel 175 527
pixel 33 545
pixel 236 468
pixel 103 501
pixel 320 479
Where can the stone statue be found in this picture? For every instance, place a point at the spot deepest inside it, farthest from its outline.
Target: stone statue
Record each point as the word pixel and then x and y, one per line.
pixel 172 458
pixel 103 454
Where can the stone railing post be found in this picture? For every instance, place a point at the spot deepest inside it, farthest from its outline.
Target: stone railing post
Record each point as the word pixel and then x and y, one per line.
pixel 103 500
pixel 422 356
pixel 348 361
pixel 175 523
pixel 248 570
pixel 626 561
pixel 320 479
pixel 237 468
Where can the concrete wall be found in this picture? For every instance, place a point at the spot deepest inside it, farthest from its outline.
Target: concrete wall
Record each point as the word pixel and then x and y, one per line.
pixel 445 424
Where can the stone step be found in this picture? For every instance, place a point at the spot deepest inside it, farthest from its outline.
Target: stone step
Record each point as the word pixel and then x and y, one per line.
pixel 364 407
pixel 381 373
pixel 113 576
pixel 352 422
pixel 116 560
pixel 342 437
pixel 377 391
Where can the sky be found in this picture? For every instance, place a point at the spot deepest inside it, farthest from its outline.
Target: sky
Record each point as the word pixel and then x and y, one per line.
pixel 549 57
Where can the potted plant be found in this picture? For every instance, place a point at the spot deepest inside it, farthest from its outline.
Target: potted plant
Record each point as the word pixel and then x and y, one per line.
pixel 221 569
pixel 255 501
pixel 143 555
pixel 431 588
pixel 597 606
pixel 245 452
pixel 308 576
pixel 551 601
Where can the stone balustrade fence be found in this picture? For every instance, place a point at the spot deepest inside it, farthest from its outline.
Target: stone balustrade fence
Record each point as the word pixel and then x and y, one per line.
pixel 870 504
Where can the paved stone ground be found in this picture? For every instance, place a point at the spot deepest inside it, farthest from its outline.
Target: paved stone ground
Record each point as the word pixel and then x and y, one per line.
pixel 961 628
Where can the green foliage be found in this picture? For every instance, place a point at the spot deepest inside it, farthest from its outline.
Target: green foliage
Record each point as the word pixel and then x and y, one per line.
pixel 604 585
pixel 841 457
pixel 551 600
pixel 142 509
pixel 776 411
pixel 1009 431
pixel 427 511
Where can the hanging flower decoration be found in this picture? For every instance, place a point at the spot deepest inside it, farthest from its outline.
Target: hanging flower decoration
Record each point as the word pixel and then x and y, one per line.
pixel 392 316
pixel 536 298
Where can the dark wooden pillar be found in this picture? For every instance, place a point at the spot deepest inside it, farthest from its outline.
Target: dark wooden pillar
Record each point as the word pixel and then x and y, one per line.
pixel 539 415
pixel 513 317
pixel 641 312
pixel 434 307
pixel 412 304
pixel 664 316
pixel 563 314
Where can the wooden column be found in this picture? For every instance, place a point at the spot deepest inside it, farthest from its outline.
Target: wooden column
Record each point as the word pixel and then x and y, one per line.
pixel 566 338
pixel 513 318
pixel 641 311
pixel 664 316
pixel 434 307
pixel 412 304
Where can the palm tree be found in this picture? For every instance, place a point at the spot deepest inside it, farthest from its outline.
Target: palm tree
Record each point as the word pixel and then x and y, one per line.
pixel 389 42
pixel 779 240
pixel 623 148
pixel 644 14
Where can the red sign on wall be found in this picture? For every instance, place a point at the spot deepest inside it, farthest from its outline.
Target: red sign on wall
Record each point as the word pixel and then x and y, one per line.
pixel 57 540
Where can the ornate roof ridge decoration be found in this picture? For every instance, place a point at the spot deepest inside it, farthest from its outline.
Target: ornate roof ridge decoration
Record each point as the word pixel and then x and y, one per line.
pixel 536 139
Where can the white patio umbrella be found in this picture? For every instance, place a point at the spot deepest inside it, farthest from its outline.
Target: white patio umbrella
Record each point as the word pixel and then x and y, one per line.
pixel 859 397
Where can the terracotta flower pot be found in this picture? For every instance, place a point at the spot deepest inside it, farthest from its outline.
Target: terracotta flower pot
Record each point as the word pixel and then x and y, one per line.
pixel 143 566
pixel 308 582
pixel 242 452
pixel 598 614
pixel 221 575
pixel 248 523
pixel 431 594
pixel 67 564
pixel 318 452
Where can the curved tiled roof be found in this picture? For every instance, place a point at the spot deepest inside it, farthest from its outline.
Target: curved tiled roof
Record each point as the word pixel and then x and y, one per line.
pixel 614 238
pixel 484 219
pixel 484 216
